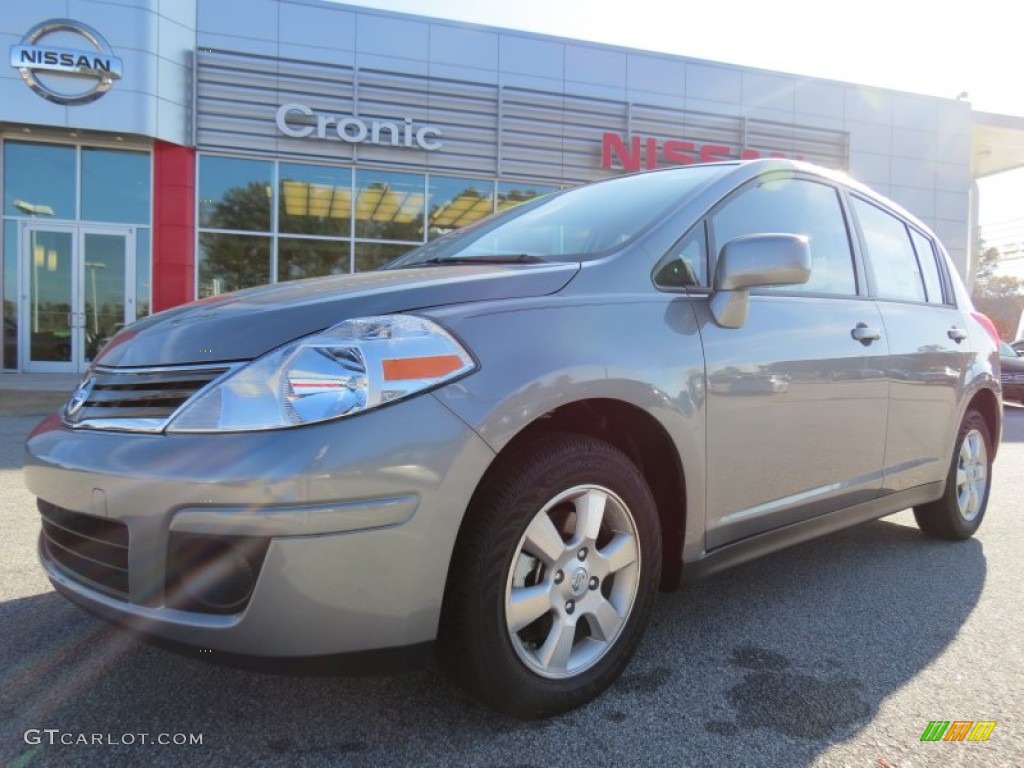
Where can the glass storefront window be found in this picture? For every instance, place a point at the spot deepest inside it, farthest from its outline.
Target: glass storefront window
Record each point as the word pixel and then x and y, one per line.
pixel 454 203
pixel 101 192
pixel 389 206
pixel 143 272
pixel 372 255
pixel 512 193
pixel 115 185
pixel 39 180
pixel 314 200
pixel 235 194
pixel 298 258
pixel 232 262
pixel 328 219
pixel 10 351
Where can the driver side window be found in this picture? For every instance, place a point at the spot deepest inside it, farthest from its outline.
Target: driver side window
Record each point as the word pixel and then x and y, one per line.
pixel 797 207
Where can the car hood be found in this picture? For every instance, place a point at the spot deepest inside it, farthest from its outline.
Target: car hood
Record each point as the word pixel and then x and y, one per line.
pixel 244 325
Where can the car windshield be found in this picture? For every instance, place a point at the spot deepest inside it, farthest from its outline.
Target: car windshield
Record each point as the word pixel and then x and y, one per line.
pixel 574 225
pixel 1005 350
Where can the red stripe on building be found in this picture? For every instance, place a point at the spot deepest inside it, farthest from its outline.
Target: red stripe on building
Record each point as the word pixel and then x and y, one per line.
pixel 174 194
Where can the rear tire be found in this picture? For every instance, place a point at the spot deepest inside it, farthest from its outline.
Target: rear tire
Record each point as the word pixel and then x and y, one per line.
pixel 957 515
pixel 553 577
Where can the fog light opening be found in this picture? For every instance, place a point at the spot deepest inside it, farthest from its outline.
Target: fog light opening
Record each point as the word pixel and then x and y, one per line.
pixel 213 575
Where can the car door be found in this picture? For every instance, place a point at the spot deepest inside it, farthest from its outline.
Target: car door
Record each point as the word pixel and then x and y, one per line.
pixel 796 399
pixel 928 344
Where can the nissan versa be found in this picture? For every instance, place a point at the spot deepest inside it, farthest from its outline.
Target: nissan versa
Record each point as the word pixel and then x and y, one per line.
pixel 503 442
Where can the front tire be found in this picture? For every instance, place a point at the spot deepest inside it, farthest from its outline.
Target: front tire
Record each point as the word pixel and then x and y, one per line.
pixel 957 515
pixel 553 577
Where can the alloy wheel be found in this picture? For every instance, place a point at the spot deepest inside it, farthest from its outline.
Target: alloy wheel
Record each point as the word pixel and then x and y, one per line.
pixel 572 582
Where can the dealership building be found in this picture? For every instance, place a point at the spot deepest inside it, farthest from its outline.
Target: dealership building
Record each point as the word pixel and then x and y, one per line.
pixel 157 151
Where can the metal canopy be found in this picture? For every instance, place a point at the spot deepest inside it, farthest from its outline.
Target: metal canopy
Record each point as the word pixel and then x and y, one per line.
pixel 997 144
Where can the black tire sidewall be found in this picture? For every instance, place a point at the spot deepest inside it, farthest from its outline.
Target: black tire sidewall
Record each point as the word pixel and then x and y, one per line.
pixel 942 518
pixel 529 480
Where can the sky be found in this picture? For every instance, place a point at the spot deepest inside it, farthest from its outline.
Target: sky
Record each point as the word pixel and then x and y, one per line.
pixel 934 48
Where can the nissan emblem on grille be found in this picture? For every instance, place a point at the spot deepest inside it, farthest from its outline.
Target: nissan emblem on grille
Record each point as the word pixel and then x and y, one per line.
pixel 80 396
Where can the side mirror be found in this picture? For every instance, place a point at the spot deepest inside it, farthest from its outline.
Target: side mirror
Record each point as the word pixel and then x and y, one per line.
pixel 754 261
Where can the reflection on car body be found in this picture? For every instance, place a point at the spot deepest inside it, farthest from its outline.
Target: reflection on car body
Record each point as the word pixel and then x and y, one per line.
pixel 501 444
pixel 1011 373
pixel 736 382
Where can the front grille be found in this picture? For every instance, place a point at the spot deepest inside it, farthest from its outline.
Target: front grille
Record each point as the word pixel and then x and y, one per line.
pixel 137 398
pixel 93 550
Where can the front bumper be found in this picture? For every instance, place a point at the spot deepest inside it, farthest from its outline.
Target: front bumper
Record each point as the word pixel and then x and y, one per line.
pixel 360 516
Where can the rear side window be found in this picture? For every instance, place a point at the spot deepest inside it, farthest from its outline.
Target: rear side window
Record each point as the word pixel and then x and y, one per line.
pixel 929 267
pixel 891 259
pixel 795 207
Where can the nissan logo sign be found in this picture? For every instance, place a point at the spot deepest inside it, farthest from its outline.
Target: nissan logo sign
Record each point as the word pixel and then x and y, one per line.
pixel 54 70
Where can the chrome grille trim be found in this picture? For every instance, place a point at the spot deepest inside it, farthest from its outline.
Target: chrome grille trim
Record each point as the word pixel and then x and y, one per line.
pixel 140 399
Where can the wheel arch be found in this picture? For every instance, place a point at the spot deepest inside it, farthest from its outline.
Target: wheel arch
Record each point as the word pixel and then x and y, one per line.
pixel 643 439
pixel 986 403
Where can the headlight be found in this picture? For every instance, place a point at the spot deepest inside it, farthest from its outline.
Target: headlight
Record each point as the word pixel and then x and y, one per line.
pixel 350 368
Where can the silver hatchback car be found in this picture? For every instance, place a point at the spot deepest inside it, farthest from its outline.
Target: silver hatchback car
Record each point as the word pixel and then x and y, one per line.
pixel 501 444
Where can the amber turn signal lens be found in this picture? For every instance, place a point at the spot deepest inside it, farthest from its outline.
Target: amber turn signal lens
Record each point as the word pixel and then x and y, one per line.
pixel 404 369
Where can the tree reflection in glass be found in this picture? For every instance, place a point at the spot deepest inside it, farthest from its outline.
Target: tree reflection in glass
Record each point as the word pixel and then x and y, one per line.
pixel 229 262
pixel 512 193
pixel 314 200
pixel 455 203
pixel 299 258
pixel 372 255
pixel 389 206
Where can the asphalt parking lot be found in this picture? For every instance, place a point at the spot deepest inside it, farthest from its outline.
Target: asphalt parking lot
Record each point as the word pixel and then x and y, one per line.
pixel 837 652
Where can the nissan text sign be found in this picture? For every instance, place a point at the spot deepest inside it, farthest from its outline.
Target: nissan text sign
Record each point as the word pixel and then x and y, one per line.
pixel 648 152
pixel 54 64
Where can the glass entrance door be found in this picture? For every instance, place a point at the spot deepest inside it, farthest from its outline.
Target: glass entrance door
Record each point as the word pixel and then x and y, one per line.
pixel 48 267
pixel 79 291
pixel 107 304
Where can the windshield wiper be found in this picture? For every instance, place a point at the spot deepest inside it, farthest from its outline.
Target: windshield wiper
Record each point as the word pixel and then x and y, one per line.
pixel 507 258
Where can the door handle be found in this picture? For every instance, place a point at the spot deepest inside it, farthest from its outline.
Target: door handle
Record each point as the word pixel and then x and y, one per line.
pixel 865 335
pixel 957 334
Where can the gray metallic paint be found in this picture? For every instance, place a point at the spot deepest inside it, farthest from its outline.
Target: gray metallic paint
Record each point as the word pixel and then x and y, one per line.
pixel 836 395
pixel 560 355
pixel 544 337
pixel 926 373
pixel 401 451
pixel 245 324
pixel 752 261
